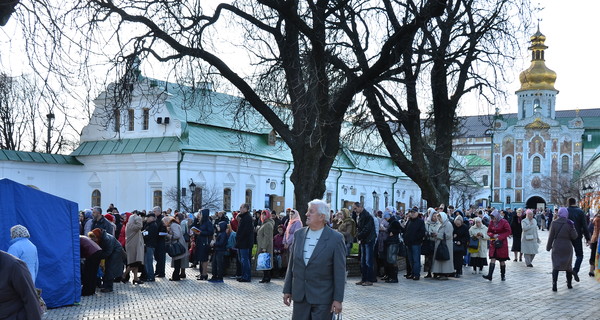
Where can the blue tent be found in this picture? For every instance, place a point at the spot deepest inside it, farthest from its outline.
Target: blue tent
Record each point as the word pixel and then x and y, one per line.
pixel 54 229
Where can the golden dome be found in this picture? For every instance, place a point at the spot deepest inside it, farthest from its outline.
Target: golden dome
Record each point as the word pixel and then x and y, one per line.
pixel 537 76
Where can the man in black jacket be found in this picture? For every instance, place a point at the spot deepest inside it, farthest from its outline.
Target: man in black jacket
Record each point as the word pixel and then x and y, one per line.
pixel 99 221
pixel 365 233
pixel 160 251
pixel 151 241
pixel 244 240
pixel 578 217
pixel 391 265
pixel 414 233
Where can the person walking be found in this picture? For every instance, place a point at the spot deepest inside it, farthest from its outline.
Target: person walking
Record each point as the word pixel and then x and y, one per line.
pixel 578 217
pixel 560 241
pixel 517 231
pixel 529 239
pixel 316 274
pixel 498 231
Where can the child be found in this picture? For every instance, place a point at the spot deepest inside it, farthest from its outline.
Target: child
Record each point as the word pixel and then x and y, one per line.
pixel 220 246
pixel 278 251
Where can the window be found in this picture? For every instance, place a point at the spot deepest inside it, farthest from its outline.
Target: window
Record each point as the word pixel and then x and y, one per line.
pixel 508 200
pixel 536 165
pixel 227 199
pixel 536 105
pixel 328 198
pixel 508 165
pixel 131 119
pixel 146 119
pixel 565 164
pixel 375 202
pixel 96 198
pixel 508 183
pixel 484 180
pixel 249 197
pixel 362 199
pixel 117 114
pixel 157 198
pixel 386 199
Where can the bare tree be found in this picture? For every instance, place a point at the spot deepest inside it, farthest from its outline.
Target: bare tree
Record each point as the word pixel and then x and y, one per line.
pixel 208 197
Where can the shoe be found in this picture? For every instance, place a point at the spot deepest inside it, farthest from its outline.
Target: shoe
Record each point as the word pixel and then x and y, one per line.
pixel 391 281
pixel 367 284
pixel 416 278
pixel 138 282
pixel 530 265
pixel 520 259
pixel 360 283
pixel 591 274
pixel 105 290
pixel 215 280
pixel 554 287
pixel 149 280
pixel 576 276
pixel 428 276
pixel 160 276
pixel 235 277
pixel 457 275
pixel 442 278
pixel 244 280
pixel 408 276
pixel 515 260
pixel 384 277
pixel 125 280
pixel 175 279
pixel 265 281
pixel 182 276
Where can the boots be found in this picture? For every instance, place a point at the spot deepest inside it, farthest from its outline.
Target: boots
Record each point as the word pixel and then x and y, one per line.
pixel 569 279
pixel 554 279
pixel 502 272
pixel 490 271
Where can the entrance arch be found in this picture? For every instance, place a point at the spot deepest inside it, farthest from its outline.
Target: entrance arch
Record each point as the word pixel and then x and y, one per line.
pixel 532 203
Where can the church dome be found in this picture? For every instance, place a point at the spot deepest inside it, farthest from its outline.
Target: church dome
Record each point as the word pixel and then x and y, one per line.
pixel 537 76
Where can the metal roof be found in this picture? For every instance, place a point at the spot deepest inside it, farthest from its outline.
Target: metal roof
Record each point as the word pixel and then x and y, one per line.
pixel 126 146
pixel 37 157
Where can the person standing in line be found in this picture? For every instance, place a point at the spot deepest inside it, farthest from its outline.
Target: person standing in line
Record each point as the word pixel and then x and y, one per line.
pixel 264 241
pixel 414 233
pixel 529 239
pixel 348 229
pixel 99 221
pixel 92 253
pixel 498 231
pixel 578 217
pixel 204 230
pixel 479 259
pixel 595 229
pixel 244 241
pixel 441 269
pixel 562 233
pixel 160 251
pixel 461 240
pixel 366 237
pixel 315 278
pixel 22 248
pixel 150 240
pixel 112 252
pixel 134 247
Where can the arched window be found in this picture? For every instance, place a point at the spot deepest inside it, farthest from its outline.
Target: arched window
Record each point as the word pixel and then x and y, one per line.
pixel 536 165
pixel 565 164
pixel 508 165
pixel 249 197
pixel 157 198
pixel 96 198
pixel 227 199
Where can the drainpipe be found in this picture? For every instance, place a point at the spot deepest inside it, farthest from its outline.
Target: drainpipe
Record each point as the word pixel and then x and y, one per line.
pixel 337 189
pixel 284 175
pixel 394 191
pixel 182 154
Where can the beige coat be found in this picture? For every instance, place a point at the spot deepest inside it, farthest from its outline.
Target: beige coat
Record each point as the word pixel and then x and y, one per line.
pixel 448 265
pixel 134 241
pixel 483 241
pixel 530 229
pixel 264 238
pixel 175 234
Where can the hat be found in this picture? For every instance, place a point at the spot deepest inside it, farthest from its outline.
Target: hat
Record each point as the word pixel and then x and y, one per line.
pixel 19 231
pixel 109 217
pixel 151 214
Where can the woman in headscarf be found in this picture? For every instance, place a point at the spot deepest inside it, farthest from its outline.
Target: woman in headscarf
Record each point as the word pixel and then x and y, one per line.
pixel 348 229
pixel 440 268
pixel 175 235
pixel 460 239
pixel 22 248
pixel 431 228
pixel 562 233
pixel 203 230
pixel 479 259
pixel 498 231
pixel 264 240
pixel 294 224
pixel 515 227
pixel 529 239
pixel 112 253
pixel 134 247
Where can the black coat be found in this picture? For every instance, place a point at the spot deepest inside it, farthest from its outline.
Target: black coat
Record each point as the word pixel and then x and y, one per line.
pixel 461 234
pixel 394 228
pixel 244 238
pixel 104 225
pixel 151 239
pixel 414 232
pixel 578 217
pixel 365 228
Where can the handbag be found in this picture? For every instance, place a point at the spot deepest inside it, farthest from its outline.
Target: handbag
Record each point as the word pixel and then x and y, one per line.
pixel 263 261
pixel 498 243
pixel 392 253
pixel 473 243
pixel 175 249
pixel 458 248
pixel 442 253
pixel 528 237
pixel 427 247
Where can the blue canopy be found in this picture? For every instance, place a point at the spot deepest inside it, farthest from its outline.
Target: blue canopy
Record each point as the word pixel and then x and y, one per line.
pixel 53 225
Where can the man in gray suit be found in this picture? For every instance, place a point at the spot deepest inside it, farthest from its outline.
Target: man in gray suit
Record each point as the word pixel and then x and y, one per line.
pixel 316 273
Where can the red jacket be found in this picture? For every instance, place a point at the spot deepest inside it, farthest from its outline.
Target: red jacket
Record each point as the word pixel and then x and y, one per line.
pixel 502 229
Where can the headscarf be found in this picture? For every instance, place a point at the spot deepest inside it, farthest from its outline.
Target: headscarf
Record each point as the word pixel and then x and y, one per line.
pixel 563 213
pixel 267 215
pixel 391 210
pixel 430 213
pixel 87 214
pixel 295 215
pixel 19 231
pixel 459 217
pixel 386 215
pixel 528 211
pixel 496 215
pixel 443 216
pixel 98 233
pixel 477 219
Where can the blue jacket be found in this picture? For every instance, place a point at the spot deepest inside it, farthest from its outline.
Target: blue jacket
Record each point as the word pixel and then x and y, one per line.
pixel 23 249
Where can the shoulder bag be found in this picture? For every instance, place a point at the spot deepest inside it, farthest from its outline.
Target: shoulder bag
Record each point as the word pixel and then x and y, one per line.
pixel 175 249
pixel 473 243
pixel 442 252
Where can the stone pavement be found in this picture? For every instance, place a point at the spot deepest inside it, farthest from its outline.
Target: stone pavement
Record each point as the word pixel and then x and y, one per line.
pixel 526 294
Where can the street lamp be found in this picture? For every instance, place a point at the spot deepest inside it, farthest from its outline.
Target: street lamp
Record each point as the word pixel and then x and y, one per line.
pixel 192 189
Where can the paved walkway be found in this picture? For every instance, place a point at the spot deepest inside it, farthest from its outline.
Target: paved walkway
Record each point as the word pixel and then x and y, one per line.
pixel 526 294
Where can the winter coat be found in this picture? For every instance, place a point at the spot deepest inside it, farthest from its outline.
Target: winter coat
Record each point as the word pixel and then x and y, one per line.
pixel 112 252
pixel 175 235
pixel 414 232
pixel 483 240
pixel 264 237
pixel 395 229
pixel 348 229
pixel 578 217
pixel 365 228
pixel 221 237
pixel 502 229
pixel 134 241
pixel 530 228
pixel 517 232
pixel 104 225
pixel 461 237
pixel 18 300
pixel 25 250
pixel 562 233
pixel 245 233
pixel 444 233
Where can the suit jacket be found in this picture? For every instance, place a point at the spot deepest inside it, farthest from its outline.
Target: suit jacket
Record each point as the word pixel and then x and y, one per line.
pixel 322 280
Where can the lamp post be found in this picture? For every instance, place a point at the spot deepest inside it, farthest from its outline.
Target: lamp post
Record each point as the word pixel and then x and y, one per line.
pixel 192 190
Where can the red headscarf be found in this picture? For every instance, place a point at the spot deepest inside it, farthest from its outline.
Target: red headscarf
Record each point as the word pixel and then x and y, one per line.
pixel 267 215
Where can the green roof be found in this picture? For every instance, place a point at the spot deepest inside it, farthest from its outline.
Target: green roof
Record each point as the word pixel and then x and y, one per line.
pixel 474 160
pixel 126 146
pixel 37 157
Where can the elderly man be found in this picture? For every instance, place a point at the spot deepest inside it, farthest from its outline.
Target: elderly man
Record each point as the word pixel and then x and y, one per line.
pixel 316 273
pixel 99 221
